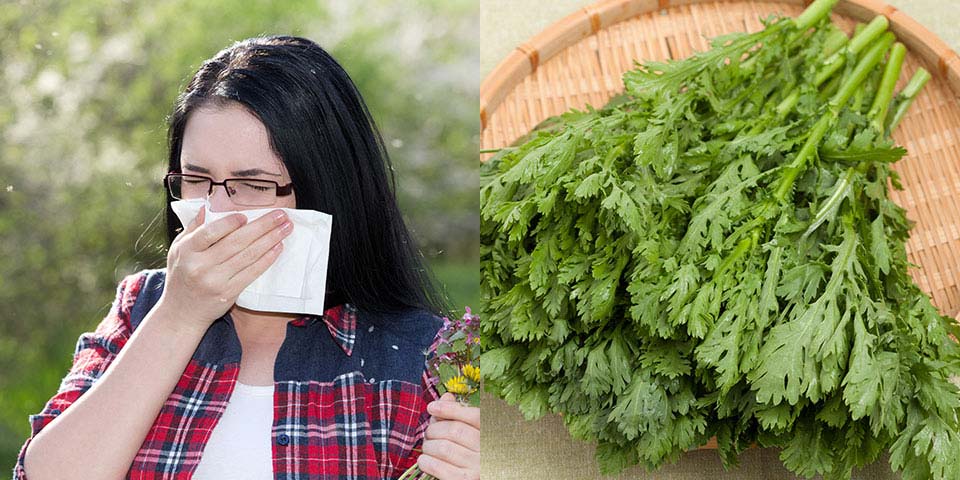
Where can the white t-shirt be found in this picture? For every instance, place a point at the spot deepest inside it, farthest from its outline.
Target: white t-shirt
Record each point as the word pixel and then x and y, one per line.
pixel 239 446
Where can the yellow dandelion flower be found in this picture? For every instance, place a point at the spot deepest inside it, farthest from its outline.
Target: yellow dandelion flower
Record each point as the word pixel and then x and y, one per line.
pixel 457 385
pixel 473 373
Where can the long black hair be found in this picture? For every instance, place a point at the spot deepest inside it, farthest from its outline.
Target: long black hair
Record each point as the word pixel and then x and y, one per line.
pixel 320 127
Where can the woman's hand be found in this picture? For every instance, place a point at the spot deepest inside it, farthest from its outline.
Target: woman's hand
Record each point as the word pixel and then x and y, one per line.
pixel 451 447
pixel 209 265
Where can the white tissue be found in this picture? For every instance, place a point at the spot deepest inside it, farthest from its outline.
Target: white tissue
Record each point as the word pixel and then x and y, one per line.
pixel 297 280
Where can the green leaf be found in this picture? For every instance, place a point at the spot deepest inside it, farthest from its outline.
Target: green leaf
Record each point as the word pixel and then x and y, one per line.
pixel 613 458
pixel 791 351
pixel 863 380
pixel 721 350
pixel 621 204
pixel 810 451
pixel 597 379
pixel 878 245
pixel 641 408
pixel 534 403
pixel 447 372
pixel 790 366
pixel 589 186
pixel 670 359
pixel 621 368
pixel 495 363
pixel 777 417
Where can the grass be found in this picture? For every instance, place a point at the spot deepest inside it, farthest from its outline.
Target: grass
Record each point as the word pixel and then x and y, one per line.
pixel 461 280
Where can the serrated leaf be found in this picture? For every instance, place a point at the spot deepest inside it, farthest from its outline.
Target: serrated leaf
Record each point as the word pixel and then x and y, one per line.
pixel 642 407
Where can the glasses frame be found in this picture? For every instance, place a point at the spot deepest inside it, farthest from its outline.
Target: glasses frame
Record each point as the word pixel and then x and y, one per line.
pixel 281 190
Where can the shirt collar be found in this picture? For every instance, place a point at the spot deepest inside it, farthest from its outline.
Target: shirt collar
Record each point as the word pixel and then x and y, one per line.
pixel 341 322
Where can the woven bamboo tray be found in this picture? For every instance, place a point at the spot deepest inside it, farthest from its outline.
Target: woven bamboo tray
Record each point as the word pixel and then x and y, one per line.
pixel 579 61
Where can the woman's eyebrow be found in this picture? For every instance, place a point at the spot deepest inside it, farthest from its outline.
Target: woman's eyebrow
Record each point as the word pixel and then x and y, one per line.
pixel 240 173
pixel 195 168
pixel 251 172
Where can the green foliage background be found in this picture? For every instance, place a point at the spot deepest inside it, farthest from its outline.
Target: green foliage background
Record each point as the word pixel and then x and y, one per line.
pixel 86 86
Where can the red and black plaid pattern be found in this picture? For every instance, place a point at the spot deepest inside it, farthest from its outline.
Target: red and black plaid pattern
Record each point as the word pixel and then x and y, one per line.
pixel 174 444
pixel 349 428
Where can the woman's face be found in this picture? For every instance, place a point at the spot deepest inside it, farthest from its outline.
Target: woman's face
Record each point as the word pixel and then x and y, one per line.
pixel 227 141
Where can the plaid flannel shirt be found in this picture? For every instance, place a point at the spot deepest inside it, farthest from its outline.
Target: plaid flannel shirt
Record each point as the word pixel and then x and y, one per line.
pixel 351 390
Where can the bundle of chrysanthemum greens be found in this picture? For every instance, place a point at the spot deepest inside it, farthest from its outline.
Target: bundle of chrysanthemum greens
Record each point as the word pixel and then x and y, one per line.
pixel 715 254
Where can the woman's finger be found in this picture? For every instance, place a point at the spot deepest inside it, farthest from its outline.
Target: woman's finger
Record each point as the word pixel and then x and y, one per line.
pixel 443 409
pixel 450 452
pixel 443 470
pixel 245 277
pixel 233 251
pixel 454 431
pixel 189 228
pixel 255 251
pixel 446 397
pixel 197 221
pixel 202 238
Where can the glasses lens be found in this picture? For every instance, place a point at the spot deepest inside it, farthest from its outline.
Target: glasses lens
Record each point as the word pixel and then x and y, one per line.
pixel 252 192
pixel 186 188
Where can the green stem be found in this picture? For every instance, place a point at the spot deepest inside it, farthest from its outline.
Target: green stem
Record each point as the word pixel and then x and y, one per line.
pixel 869 61
pixel 738 252
pixel 857 105
pixel 881 102
pixel 919 79
pixel 860 40
pixel 829 90
pixel 858 28
pixel 806 151
pixel 814 13
pixel 873 29
pixel 906 97
pixel 841 190
pixel 788 103
pixel 858 97
pixel 834 42
pixel 831 65
pixel 412 473
pixel 408 473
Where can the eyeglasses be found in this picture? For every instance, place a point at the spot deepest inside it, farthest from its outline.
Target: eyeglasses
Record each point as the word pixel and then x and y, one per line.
pixel 242 191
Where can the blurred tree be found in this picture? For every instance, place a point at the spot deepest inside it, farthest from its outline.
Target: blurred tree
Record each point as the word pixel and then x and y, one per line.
pixel 87 86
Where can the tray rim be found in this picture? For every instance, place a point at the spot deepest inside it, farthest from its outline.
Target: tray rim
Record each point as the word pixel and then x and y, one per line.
pixel 526 57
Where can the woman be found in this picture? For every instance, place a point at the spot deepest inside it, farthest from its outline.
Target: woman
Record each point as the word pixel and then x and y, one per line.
pixel 180 382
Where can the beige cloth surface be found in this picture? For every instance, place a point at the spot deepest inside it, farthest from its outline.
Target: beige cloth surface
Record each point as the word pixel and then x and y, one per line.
pixel 513 448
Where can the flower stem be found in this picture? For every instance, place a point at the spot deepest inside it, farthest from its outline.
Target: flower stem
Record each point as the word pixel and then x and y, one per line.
pixel 413 472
